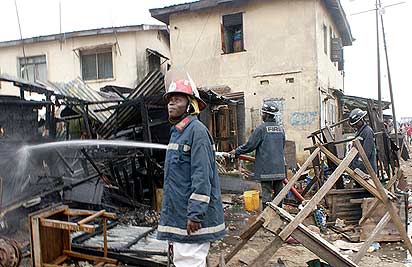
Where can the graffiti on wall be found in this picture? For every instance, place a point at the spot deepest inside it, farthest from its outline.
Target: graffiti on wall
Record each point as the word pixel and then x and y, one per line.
pixel 303 118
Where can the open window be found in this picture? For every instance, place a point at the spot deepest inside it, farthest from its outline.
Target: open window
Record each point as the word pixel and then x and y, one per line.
pixel 232 33
pixel 33 68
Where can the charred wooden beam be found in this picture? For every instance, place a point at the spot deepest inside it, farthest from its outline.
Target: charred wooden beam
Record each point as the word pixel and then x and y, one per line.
pixel 122 257
pixel 89 159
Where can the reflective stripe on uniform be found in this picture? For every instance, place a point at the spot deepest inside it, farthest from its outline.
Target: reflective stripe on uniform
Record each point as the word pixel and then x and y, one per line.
pixel 201 231
pixel 173 146
pixel 199 197
pixel 272 175
pixel 186 148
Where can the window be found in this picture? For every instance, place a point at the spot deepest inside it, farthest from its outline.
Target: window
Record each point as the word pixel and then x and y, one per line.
pixel 232 33
pixel 325 39
pixel 97 65
pixel 33 68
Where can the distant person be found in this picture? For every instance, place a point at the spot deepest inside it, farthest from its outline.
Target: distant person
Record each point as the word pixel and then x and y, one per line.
pixel 268 139
pixel 408 133
pixel 192 210
pixel 366 136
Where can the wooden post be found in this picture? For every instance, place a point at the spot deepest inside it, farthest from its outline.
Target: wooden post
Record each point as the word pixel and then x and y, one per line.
pixel 376 201
pixel 295 177
pixel 105 236
pixel 389 205
pixel 245 237
pixel 352 174
pixel 311 205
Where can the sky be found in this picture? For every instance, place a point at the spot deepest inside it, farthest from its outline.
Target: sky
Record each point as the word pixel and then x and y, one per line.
pixel 41 17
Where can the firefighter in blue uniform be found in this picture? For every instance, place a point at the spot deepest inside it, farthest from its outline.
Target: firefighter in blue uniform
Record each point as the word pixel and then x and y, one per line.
pixel 268 139
pixel 366 136
pixel 192 211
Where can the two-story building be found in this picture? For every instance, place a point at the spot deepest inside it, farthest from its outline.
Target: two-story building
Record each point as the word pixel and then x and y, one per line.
pixel 120 56
pixel 283 49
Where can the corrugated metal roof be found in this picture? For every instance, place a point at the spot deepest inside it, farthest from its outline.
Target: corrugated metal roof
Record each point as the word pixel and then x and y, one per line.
pixel 25 84
pixel 152 84
pixel 79 90
pixel 360 102
pixel 83 33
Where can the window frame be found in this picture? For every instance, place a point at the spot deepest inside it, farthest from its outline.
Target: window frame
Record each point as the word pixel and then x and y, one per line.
pixel 224 44
pixel 22 61
pixel 96 52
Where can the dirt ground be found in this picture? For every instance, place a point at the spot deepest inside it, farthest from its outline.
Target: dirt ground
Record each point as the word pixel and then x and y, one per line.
pixel 296 255
pixel 293 255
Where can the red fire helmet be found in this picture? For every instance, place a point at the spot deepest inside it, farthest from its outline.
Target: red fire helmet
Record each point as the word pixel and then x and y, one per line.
pixel 184 87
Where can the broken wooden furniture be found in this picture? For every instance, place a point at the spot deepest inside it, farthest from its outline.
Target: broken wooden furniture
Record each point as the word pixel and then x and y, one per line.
pixel 283 225
pixel 51 240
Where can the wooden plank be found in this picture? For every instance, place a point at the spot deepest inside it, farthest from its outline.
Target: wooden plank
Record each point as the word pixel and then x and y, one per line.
pixel 80 212
pixel 91 217
pixel 314 242
pixel 282 194
pixel 311 205
pixel 273 222
pixel 389 205
pixel 53 240
pixel 375 203
pixel 66 225
pixel 390 233
pixel 35 242
pixel 60 259
pixel 245 236
pixel 309 186
pixel 48 212
pixel 351 173
pixel 89 257
pixel 51 265
pixel 267 253
pixel 382 223
pixel 105 237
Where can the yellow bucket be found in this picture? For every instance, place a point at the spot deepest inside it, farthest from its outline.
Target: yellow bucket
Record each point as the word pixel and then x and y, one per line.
pixel 251 200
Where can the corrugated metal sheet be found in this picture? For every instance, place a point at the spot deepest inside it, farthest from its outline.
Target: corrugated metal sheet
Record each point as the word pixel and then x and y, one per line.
pixel 79 90
pixel 360 102
pixel 152 84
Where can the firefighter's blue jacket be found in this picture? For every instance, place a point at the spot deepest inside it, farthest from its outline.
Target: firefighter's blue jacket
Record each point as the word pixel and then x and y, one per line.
pixel 191 186
pixel 269 141
pixel 366 136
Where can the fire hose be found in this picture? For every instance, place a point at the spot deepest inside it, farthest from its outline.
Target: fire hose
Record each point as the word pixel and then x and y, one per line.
pixel 10 254
pixel 252 159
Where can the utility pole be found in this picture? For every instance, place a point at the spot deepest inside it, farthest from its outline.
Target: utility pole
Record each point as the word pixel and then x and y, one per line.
pixel 378 14
pixel 380 113
pixel 389 79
